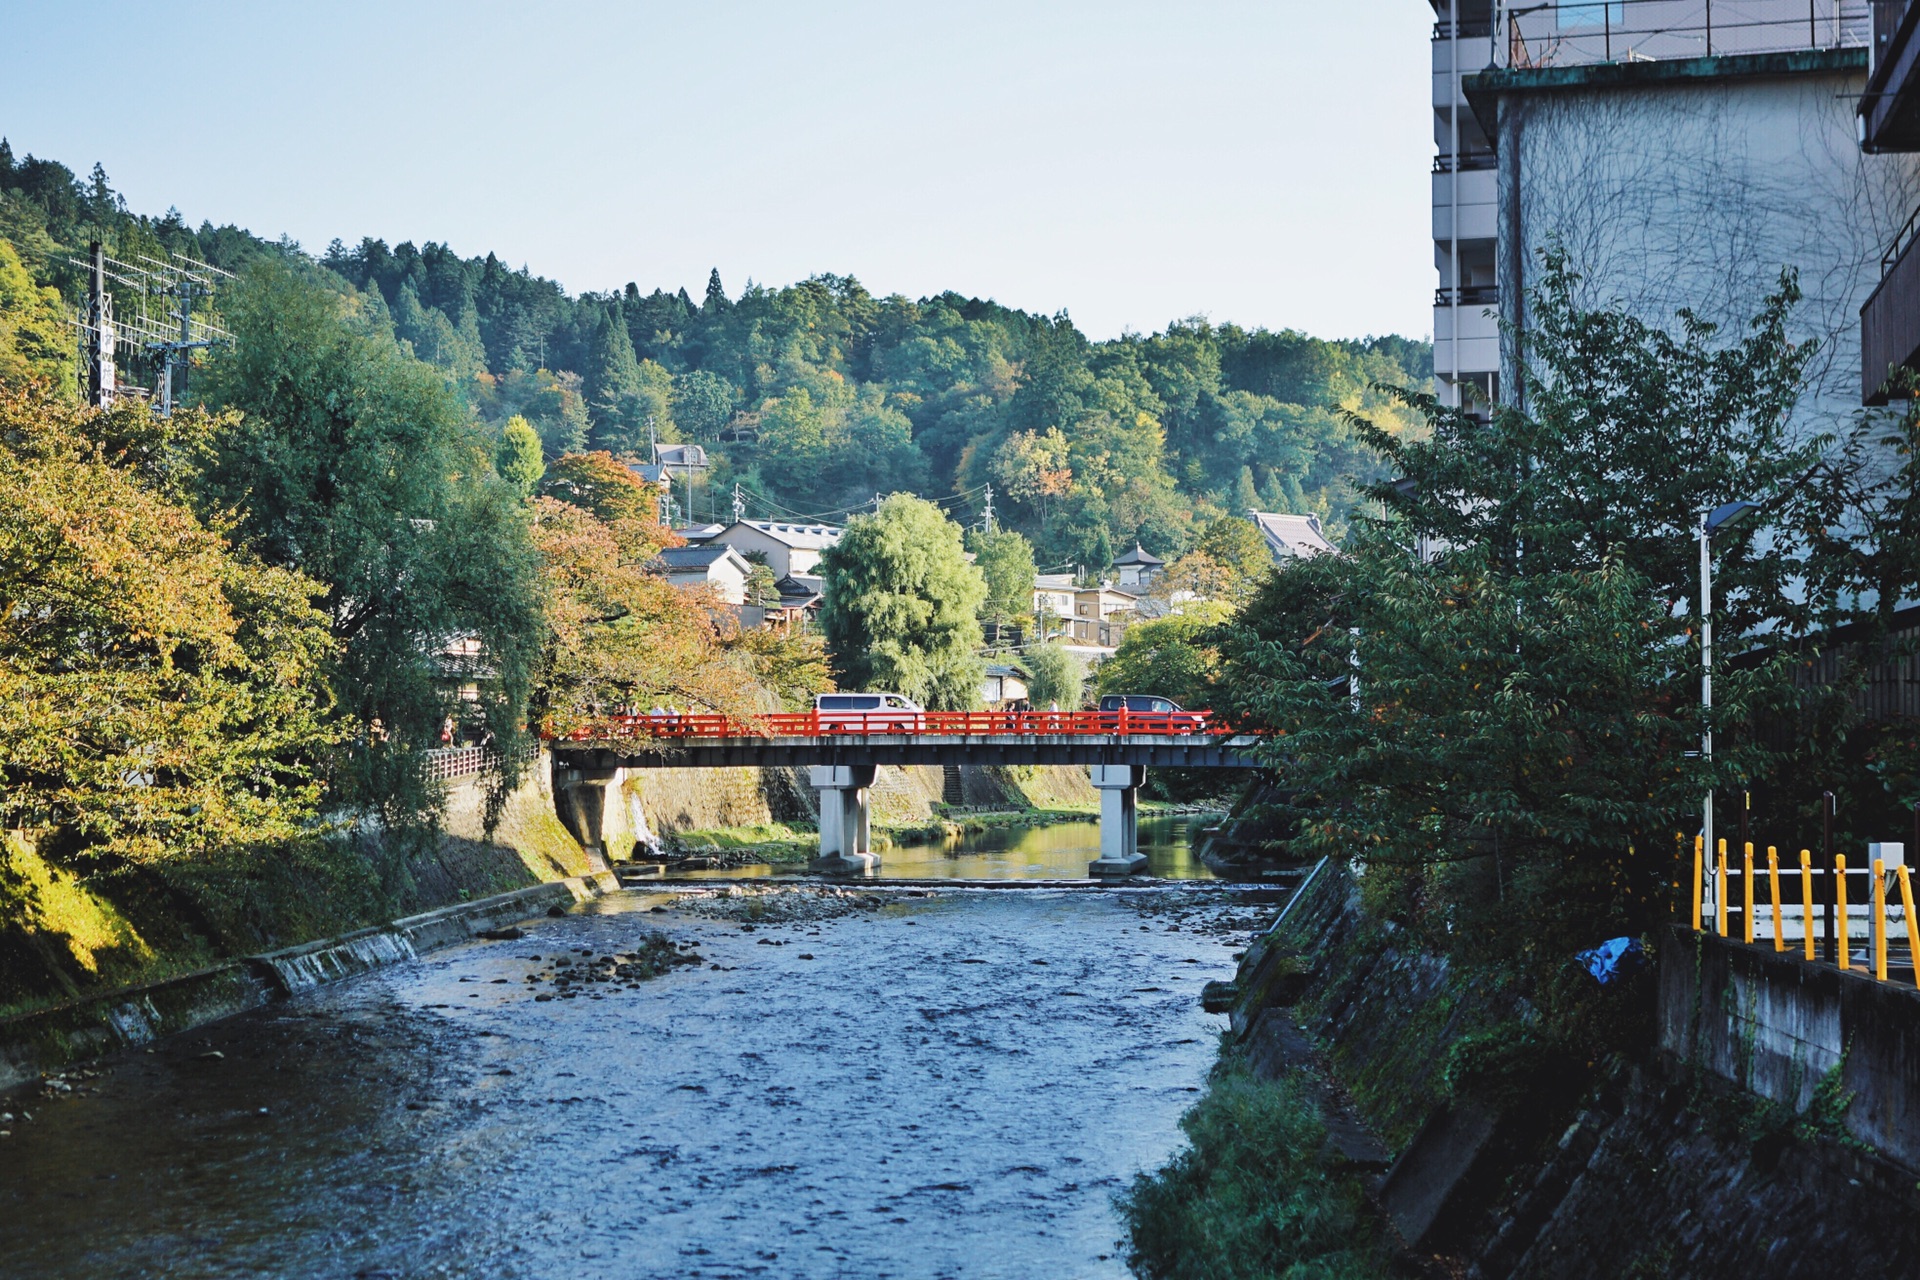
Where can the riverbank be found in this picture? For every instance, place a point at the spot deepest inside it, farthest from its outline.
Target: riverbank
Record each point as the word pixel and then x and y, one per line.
pixel 44 1040
pixel 1425 1114
pixel 797 843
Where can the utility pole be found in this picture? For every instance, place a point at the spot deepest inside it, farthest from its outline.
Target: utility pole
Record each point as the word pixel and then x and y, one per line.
pixel 987 518
pixel 97 335
pixel 739 503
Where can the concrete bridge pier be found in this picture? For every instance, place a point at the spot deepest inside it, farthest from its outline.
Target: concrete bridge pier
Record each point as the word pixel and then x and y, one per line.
pixel 1119 786
pixel 580 797
pixel 846 820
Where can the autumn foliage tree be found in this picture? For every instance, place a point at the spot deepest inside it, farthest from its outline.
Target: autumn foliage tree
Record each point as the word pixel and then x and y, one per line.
pixel 163 694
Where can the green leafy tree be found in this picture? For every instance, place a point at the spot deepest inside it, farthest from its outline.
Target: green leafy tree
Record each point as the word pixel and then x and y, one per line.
pixel 1059 677
pixel 901 611
pixel 1501 730
pixel 35 339
pixel 518 459
pixel 702 404
pixel 1005 560
pixel 1174 657
pixel 359 467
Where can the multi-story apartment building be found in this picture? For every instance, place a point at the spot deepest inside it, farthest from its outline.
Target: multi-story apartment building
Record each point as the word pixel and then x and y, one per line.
pixel 1890 123
pixel 1680 153
pixel 1466 334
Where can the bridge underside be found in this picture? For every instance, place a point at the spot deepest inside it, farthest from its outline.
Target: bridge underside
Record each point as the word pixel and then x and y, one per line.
pixel 842 769
pixel 1156 751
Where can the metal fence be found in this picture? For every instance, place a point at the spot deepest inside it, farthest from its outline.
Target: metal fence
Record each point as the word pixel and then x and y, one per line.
pixel 1570 35
pixel 1863 912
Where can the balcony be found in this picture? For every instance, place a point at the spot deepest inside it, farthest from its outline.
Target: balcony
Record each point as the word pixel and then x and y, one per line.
pixel 1890 320
pixel 1466 338
pixel 1584 34
pixel 1477 190
pixel 1890 108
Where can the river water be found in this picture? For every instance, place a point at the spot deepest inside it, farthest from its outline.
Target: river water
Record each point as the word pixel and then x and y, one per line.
pixel 949 1084
pixel 1055 851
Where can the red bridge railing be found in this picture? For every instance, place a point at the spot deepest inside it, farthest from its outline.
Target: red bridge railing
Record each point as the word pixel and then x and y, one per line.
pixel 975 724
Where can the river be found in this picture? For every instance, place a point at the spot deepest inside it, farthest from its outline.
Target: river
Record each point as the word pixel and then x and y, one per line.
pixel 950 1084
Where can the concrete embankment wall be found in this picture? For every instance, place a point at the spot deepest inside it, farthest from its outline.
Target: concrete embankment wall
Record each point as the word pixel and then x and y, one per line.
pixel 1709 1157
pixel 1782 1028
pixel 47 1039
pixel 65 935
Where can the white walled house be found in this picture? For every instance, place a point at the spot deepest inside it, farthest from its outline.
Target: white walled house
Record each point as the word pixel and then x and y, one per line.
pixel 713 565
pixel 789 547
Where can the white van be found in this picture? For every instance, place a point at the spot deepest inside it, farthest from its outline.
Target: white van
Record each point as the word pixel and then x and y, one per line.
pixel 866 713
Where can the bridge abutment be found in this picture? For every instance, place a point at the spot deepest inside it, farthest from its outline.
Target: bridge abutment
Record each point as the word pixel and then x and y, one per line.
pixel 580 796
pixel 1119 786
pixel 846 819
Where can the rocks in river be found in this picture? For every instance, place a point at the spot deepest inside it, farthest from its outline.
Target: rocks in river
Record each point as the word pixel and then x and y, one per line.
pixel 572 976
pixel 502 935
pixel 786 904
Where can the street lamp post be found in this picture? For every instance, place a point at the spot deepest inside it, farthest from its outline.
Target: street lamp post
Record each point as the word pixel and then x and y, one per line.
pixel 1724 516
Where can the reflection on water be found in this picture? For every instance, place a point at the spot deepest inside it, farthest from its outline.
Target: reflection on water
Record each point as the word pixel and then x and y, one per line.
pixel 1057 852
pixel 1061 851
pixel 950 1086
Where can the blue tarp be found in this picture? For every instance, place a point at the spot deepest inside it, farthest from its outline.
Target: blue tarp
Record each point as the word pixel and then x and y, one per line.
pixel 1612 959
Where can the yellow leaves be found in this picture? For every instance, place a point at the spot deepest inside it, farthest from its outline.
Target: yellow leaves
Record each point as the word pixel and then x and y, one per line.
pixel 163 690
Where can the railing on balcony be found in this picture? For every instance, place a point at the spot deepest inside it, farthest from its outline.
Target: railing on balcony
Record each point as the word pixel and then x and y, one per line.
pixel 1467 162
pixel 1471 295
pixel 1599 31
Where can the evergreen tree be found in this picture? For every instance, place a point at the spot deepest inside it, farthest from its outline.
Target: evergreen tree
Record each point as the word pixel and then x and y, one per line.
pixel 716 299
pixel 1245 497
pixel 518 459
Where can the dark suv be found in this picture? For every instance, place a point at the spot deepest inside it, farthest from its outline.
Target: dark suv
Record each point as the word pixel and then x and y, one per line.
pixel 1142 702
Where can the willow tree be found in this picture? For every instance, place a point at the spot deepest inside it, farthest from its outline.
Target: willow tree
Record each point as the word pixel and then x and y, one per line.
pixel 902 603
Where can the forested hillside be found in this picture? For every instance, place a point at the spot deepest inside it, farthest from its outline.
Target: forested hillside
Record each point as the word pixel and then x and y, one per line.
pixel 816 396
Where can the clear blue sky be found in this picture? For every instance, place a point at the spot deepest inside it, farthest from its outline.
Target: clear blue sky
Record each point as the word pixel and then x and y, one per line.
pixel 1132 163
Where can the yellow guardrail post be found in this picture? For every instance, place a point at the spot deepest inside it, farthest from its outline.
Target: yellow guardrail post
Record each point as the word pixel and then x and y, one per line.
pixel 1913 926
pixel 1773 880
pixel 1806 899
pixel 1699 877
pixel 1840 911
pixel 1880 919
pixel 1720 892
pixel 1746 892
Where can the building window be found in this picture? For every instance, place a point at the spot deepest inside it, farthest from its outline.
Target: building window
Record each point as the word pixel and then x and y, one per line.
pixel 1593 15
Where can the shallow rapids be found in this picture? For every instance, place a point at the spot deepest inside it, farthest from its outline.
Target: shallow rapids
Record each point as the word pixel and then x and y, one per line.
pixel 948 1085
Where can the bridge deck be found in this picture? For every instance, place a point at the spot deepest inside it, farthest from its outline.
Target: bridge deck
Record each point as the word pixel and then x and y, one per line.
pixel 1174 751
pixel 1179 740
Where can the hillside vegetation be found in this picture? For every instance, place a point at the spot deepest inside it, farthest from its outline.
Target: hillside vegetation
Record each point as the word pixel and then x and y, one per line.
pixel 815 397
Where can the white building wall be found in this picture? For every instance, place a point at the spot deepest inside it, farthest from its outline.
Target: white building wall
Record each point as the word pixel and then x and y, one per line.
pixel 1696 194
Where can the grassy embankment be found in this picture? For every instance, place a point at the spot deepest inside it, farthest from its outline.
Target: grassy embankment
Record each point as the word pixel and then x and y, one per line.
pixel 1253 1194
pixel 68 932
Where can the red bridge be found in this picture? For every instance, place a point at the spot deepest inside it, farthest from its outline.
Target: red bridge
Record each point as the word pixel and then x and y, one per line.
pixel 842 749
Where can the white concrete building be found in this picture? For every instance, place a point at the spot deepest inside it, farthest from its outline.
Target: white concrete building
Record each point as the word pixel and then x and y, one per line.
pixel 1466 334
pixel 790 548
pixel 1680 164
